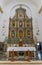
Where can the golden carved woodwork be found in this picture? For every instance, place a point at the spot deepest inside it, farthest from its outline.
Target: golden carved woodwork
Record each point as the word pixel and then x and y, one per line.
pixel 13 33
pixel 20 33
pixel 13 24
pixel 28 33
pixel 28 23
pixel 20 44
pixel 20 23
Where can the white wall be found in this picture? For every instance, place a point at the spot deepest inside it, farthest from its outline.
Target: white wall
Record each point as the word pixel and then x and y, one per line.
pixel 4 18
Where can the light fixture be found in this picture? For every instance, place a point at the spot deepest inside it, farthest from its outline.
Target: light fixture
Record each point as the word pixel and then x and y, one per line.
pixel 40 10
pixel 37 28
pixel 1 10
pixel 38 43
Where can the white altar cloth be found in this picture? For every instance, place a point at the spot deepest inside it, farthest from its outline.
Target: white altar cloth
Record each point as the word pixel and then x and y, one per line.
pixel 21 48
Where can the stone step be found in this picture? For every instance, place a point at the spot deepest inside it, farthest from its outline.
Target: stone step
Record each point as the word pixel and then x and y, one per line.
pixel 20 62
